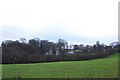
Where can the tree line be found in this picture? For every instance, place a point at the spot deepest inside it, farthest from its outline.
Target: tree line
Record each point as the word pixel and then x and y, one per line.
pixel 36 50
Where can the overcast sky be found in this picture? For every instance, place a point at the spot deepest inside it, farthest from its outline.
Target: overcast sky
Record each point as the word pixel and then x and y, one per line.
pixel 76 21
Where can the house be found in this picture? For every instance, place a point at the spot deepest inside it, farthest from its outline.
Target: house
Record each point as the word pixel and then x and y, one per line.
pixel 51 52
pixel 70 52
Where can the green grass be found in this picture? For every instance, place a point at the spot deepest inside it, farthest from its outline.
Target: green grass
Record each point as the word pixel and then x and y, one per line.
pixel 0 71
pixel 99 68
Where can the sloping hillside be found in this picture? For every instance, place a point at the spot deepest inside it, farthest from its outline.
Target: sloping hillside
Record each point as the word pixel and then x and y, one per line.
pixel 99 68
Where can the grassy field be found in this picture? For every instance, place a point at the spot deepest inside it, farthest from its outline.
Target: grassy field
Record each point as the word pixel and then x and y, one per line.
pixel 99 68
pixel 0 71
